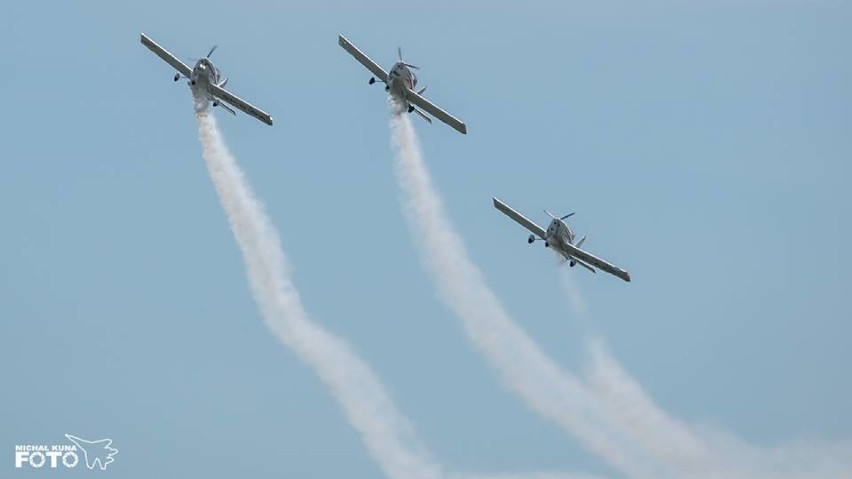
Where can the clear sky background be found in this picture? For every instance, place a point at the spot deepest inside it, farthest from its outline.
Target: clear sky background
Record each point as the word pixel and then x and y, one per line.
pixel 705 147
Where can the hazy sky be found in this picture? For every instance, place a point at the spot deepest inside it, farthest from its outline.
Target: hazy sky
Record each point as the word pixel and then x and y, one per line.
pixel 705 147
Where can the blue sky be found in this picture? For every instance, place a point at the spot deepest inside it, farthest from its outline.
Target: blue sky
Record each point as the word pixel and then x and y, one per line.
pixel 704 147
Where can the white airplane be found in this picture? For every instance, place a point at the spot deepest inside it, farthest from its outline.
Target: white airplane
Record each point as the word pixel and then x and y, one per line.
pixel 400 83
pixel 206 78
pixel 561 238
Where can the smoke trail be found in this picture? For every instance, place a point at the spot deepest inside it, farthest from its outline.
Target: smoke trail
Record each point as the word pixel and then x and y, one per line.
pixel 702 451
pixel 367 405
pixel 611 414
pixel 566 279
pixel 524 367
pixel 689 451
pixel 623 401
pixel 661 436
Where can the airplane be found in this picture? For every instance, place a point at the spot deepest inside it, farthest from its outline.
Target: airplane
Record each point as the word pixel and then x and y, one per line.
pixel 400 83
pixel 560 237
pixel 206 78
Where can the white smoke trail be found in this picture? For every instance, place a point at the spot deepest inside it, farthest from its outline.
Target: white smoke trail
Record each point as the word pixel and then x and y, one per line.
pixel 701 451
pixel 649 426
pixel 623 401
pixel 611 414
pixel 552 392
pixel 690 451
pixel 367 405
pixel 578 304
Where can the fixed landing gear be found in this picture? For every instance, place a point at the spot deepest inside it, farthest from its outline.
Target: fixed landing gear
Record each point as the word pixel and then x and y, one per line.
pixel 372 80
pixel 215 103
pixel 410 109
pixel 177 76
pixel 192 82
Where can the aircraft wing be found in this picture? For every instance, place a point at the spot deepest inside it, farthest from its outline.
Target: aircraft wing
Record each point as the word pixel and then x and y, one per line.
pixel 161 52
pixel 374 67
pixel 521 219
pixel 429 107
pixel 239 103
pixel 577 253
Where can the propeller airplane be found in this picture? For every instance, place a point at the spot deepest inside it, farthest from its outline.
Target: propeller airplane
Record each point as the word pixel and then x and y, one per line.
pixel 561 238
pixel 205 78
pixel 400 84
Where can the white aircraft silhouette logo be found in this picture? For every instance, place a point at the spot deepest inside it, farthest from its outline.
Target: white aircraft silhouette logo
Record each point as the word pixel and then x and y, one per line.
pixel 95 452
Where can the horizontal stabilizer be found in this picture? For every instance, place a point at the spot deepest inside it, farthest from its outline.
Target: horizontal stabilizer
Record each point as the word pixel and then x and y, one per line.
pixel 576 261
pixel 422 115
pixel 226 107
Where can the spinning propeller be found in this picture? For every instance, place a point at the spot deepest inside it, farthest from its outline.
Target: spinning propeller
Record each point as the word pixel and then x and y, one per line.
pixel 193 60
pixel 554 217
pixel 399 51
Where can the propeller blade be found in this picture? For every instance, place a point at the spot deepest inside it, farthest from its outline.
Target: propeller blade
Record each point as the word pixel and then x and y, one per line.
pixel 212 50
pixel 549 214
pixel 399 52
pixel 411 66
pixel 569 214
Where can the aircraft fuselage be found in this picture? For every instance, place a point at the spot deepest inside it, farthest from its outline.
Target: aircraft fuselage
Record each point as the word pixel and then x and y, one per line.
pixel 203 74
pixel 400 80
pixel 558 234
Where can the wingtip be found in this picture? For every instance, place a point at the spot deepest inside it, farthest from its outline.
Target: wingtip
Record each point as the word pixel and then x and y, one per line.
pixel 463 129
